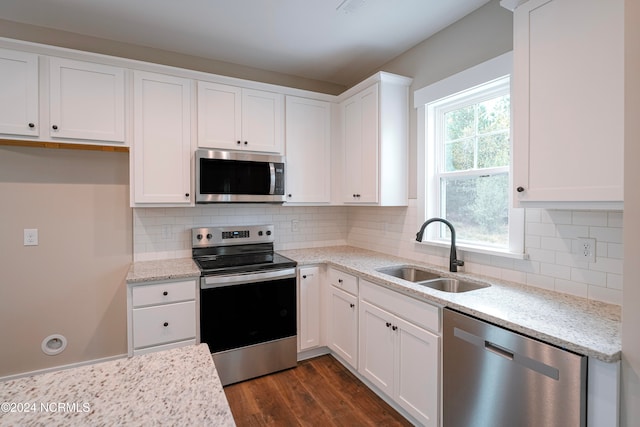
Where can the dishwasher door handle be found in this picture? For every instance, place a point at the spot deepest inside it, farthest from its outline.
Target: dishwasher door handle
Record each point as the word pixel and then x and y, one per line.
pixel 500 351
pixel 521 359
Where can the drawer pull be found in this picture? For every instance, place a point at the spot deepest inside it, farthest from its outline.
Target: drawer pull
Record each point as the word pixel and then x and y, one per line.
pixel 165 293
pixel 166 324
pixel 352 305
pixel 339 280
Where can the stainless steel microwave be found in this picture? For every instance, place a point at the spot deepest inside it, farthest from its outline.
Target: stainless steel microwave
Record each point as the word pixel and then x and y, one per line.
pixel 229 176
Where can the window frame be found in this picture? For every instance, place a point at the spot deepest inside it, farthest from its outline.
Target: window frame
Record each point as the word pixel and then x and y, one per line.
pixel 488 73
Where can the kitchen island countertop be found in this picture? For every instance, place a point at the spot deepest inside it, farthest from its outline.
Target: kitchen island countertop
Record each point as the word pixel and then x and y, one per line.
pixel 587 327
pixel 173 387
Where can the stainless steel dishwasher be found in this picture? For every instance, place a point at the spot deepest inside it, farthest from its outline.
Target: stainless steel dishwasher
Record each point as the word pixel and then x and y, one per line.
pixel 493 377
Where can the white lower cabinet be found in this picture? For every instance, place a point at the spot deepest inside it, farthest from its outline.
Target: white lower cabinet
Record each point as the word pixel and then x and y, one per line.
pixel 309 306
pixel 161 315
pixel 342 312
pixel 397 353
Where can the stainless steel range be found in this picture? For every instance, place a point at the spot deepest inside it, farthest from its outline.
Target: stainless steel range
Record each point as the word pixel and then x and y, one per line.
pixel 247 301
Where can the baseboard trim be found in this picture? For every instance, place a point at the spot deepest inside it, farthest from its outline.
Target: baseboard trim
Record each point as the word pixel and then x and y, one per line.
pixel 61 368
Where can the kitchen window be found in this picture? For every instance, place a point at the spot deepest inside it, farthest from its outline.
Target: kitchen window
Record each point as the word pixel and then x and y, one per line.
pixel 466 160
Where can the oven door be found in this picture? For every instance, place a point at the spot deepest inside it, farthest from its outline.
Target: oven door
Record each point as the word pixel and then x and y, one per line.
pixel 242 310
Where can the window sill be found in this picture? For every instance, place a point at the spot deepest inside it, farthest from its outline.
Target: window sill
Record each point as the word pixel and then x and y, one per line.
pixel 462 247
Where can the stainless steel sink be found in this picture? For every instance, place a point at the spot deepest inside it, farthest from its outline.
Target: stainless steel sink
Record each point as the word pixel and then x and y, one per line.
pixel 431 280
pixel 446 284
pixel 412 274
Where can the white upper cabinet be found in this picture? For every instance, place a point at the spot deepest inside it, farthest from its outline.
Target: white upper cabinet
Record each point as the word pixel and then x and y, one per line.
pixel 87 101
pixel 375 138
pixel 162 139
pixel 308 145
pixel 19 93
pixel 235 118
pixel 568 103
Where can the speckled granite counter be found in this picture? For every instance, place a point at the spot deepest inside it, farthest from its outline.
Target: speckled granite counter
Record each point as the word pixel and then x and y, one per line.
pixel 162 270
pixel 173 387
pixel 587 327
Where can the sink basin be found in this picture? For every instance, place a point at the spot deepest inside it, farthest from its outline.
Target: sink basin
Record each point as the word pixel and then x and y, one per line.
pixel 446 284
pixel 431 280
pixel 412 274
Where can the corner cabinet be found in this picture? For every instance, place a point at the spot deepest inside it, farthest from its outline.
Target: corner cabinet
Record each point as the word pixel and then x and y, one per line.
pixel 568 103
pixel 162 315
pixel 161 152
pixel 399 349
pixel 375 138
pixel 308 141
pixel 235 118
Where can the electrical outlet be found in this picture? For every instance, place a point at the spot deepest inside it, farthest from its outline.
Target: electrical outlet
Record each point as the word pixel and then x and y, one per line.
pixel 587 249
pixel 30 237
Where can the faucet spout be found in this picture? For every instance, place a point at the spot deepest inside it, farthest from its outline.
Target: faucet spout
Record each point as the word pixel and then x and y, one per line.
pixel 453 261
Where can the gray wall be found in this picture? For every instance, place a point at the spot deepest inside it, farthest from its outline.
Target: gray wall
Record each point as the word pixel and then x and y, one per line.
pixel 631 290
pixel 73 282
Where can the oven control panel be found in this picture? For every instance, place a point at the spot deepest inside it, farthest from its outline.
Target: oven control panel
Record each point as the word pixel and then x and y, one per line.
pixel 231 235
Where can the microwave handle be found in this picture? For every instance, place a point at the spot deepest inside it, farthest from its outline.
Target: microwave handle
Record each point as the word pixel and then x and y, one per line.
pixel 272 172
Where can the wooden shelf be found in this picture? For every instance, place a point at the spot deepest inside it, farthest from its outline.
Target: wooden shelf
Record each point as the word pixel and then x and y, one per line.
pixel 62 145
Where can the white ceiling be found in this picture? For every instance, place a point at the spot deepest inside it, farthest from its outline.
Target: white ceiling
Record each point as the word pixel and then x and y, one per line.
pixel 315 39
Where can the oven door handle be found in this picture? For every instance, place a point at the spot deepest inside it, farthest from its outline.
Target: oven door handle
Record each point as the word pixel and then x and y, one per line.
pixel 209 282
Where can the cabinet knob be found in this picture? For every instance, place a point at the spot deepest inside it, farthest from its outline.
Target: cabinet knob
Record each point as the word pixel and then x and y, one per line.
pixel 165 293
pixel 352 305
pixel 520 189
pixel 304 276
pixel 239 142
pixel 166 324
pixel 54 127
pixel 388 324
pixel 246 143
pixel 394 327
pixel 339 280
pixel 32 125
pixel 289 195
pixel 186 194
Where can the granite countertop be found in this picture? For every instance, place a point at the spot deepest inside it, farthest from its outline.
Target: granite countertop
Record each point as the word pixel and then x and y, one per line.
pixel 587 327
pixel 173 387
pixel 165 269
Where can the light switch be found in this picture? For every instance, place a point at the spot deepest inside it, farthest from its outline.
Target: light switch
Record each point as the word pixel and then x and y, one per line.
pixel 31 237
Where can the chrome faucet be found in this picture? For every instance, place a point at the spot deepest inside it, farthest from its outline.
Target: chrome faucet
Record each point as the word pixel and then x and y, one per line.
pixel 453 261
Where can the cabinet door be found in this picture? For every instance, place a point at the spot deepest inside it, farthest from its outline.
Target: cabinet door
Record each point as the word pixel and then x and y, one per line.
pixel 219 116
pixel 162 138
pixel 309 308
pixel 86 101
pixel 377 347
pixel 308 139
pixel 262 121
pixel 343 325
pixel 417 361
pixel 360 140
pixel 568 101
pixel 18 93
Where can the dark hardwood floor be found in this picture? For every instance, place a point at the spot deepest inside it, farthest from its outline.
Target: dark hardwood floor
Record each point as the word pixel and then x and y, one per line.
pixel 318 392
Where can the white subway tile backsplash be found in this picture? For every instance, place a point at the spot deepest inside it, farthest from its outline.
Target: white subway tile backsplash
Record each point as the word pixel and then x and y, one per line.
pixel 550 240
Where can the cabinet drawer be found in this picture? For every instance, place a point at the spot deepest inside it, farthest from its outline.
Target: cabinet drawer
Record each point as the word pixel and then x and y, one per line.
pixel 418 312
pixel 344 281
pixel 164 324
pixel 163 293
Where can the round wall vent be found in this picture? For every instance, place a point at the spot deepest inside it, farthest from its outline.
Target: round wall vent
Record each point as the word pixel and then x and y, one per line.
pixel 54 344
